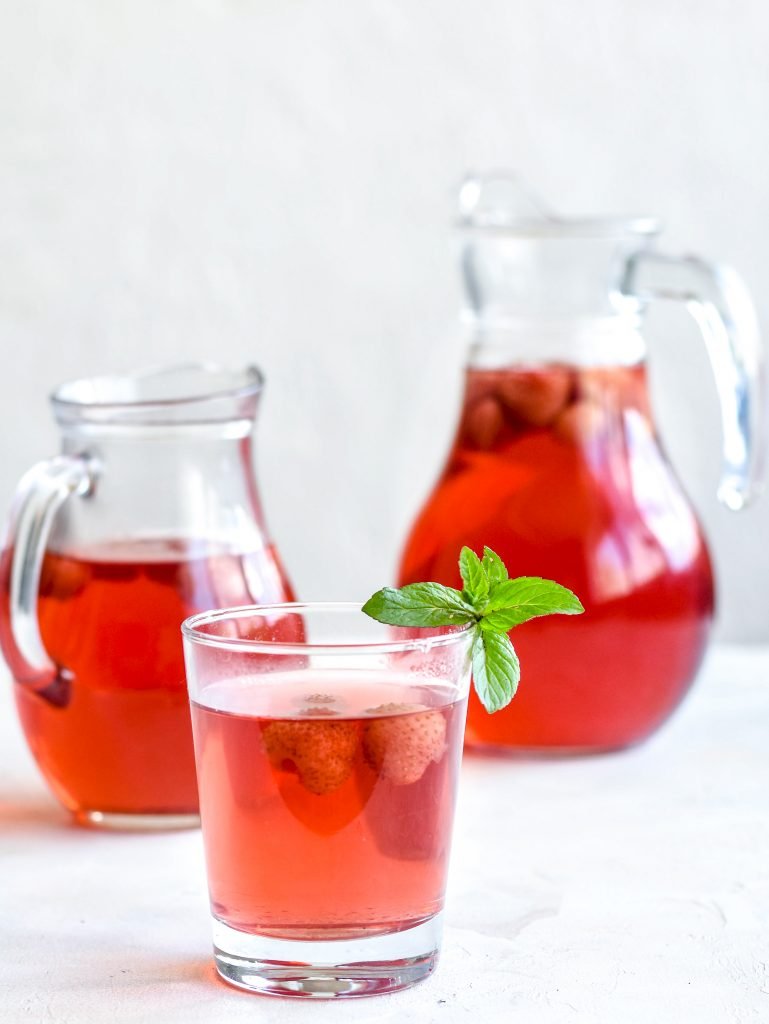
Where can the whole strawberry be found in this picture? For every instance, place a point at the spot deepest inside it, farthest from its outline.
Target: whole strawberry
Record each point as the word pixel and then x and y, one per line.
pixel 401 745
pixel 322 752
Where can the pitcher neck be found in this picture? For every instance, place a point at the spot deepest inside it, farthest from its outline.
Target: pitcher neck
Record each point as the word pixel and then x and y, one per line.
pixel 180 485
pixel 601 341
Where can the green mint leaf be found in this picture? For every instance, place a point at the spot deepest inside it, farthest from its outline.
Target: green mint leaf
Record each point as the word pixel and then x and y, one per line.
pixel 474 577
pixel 496 570
pixel 420 604
pixel 490 600
pixel 515 601
pixel 496 670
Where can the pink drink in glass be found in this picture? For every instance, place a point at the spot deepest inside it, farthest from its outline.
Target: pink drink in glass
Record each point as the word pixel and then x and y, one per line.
pixel 355 777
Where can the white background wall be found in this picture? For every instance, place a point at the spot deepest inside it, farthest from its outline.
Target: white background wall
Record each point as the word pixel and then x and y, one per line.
pixel 272 181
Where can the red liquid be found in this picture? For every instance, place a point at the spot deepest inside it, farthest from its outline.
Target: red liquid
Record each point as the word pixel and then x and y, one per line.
pixel 112 733
pixel 329 817
pixel 560 472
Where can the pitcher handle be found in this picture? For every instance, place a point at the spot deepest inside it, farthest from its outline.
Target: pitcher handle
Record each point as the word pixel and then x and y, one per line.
pixel 719 301
pixel 41 492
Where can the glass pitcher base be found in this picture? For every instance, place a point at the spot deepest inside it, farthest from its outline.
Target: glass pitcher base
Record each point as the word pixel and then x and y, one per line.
pixel 136 822
pixel 528 753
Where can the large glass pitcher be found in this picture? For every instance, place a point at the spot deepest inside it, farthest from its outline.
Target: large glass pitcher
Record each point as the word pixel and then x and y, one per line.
pixel 149 514
pixel 556 465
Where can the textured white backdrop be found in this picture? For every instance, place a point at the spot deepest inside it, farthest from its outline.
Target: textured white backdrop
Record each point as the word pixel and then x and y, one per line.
pixel 273 182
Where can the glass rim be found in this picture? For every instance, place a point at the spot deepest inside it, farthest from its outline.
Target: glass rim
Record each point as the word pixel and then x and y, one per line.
pixel 243 382
pixel 191 631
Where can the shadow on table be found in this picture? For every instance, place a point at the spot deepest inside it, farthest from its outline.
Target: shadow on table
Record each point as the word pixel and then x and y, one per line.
pixel 109 965
pixel 31 813
pixel 144 970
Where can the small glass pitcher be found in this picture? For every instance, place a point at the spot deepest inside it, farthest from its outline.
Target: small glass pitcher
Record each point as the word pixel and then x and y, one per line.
pixel 557 466
pixel 150 514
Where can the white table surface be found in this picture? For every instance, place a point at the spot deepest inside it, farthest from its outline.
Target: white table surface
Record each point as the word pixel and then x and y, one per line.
pixel 619 889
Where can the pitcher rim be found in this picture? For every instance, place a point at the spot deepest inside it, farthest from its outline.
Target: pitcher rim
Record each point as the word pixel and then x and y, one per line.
pixel 250 376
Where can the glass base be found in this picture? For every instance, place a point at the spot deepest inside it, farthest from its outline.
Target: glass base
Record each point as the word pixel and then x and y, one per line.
pixel 330 969
pixel 136 822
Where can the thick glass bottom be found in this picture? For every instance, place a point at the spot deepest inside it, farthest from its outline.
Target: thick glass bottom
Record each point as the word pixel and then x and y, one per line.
pixel 327 969
pixel 136 822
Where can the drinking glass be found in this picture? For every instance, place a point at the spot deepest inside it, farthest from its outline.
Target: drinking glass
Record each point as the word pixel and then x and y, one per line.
pixel 327 748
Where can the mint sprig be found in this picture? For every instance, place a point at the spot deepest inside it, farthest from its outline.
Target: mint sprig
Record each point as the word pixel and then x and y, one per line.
pixel 492 603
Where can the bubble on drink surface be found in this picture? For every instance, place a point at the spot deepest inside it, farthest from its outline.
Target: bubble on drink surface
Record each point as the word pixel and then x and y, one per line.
pixel 318 705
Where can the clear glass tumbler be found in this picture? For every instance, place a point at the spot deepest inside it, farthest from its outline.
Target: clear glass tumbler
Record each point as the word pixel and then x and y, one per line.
pixel 328 748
